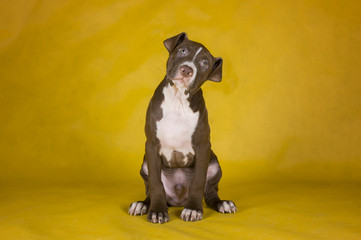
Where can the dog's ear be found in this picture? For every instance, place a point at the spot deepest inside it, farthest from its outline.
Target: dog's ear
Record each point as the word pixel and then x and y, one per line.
pixel 216 74
pixel 172 42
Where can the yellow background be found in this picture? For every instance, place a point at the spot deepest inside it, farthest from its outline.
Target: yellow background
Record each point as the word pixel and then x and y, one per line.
pixel 76 78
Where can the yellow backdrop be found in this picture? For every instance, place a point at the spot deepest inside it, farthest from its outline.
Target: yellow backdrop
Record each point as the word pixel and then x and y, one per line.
pixel 76 78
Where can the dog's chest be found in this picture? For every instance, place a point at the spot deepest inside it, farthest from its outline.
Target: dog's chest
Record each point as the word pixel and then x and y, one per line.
pixel 175 129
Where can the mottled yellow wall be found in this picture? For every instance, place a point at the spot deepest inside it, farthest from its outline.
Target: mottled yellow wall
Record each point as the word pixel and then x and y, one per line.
pixel 76 78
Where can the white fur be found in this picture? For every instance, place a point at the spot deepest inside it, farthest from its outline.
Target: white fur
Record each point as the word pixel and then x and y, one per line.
pixel 191 215
pixel 191 65
pixel 198 51
pixel 227 207
pixel 213 169
pixel 145 168
pixel 178 123
pixel 138 208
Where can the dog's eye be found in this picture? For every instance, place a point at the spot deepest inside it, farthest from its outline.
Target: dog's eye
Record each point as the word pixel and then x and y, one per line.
pixel 183 51
pixel 204 63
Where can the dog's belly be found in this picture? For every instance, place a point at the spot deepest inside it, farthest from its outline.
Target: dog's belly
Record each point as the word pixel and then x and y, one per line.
pixel 176 183
pixel 176 128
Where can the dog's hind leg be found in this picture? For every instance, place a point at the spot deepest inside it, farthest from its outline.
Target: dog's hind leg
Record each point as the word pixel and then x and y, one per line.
pixel 141 207
pixel 214 174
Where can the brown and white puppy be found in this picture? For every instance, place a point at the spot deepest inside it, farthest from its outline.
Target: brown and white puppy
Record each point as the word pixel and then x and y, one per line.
pixel 179 168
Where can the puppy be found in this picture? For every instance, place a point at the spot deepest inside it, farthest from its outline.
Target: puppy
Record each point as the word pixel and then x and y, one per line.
pixel 179 168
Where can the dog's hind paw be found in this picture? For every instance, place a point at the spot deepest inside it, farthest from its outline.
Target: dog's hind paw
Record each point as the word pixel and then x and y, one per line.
pixel 227 207
pixel 138 208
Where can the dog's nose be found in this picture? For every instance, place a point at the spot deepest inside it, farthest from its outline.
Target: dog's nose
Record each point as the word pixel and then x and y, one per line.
pixel 186 71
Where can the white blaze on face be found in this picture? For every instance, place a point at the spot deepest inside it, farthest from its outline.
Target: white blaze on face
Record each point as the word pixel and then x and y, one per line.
pixel 193 66
pixel 198 51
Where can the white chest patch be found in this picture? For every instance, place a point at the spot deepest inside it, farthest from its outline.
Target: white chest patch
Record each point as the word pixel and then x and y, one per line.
pixel 177 126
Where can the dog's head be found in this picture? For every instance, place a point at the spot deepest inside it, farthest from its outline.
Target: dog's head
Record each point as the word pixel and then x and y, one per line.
pixel 190 64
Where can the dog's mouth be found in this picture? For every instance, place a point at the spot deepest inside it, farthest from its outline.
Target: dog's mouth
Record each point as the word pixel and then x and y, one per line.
pixel 181 82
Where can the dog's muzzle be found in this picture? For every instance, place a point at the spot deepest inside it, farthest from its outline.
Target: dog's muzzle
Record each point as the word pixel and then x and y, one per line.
pixel 185 75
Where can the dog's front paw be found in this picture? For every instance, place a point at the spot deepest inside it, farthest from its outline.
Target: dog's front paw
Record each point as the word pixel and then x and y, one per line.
pixel 138 208
pixel 191 215
pixel 226 207
pixel 158 217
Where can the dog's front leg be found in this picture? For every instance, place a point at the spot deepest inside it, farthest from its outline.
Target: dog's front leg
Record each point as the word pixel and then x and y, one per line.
pixel 193 210
pixel 158 210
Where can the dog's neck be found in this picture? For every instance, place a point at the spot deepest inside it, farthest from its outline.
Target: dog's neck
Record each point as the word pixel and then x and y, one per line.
pixel 178 95
pixel 184 91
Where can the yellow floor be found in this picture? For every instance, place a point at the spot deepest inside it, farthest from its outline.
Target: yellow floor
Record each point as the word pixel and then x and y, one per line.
pixel 266 211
